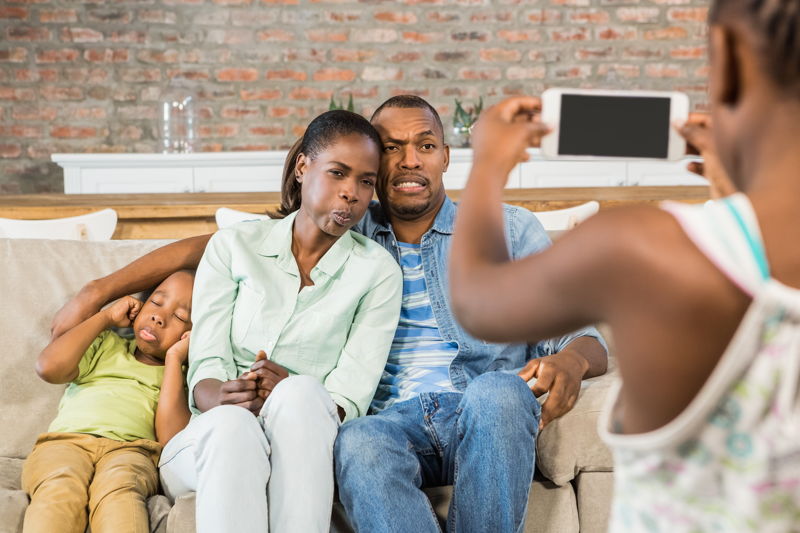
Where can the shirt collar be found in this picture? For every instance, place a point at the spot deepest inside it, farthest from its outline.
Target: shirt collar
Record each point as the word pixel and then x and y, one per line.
pixel 278 243
pixel 443 223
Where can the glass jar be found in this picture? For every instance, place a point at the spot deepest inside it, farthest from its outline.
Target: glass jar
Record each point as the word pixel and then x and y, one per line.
pixel 178 119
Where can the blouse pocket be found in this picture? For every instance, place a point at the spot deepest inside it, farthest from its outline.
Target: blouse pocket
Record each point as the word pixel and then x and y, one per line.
pixel 245 309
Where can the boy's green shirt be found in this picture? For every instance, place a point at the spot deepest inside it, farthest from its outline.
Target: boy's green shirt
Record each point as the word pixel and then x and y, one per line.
pixel 114 396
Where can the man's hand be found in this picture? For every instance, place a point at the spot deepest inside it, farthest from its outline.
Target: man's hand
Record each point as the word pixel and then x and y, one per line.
pixel 180 350
pixel 122 313
pixel 243 392
pixel 269 374
pixel 559 374
pixel 505 131
pixel 83 305
pixel 698 135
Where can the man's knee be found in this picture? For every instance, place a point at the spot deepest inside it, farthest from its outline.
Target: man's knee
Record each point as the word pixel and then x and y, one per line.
pixel 500 398
pixel 364 442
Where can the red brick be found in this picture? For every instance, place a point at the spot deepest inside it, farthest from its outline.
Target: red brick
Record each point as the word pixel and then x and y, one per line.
pixel 325 36
pixel 132 37
pixel 13 55
pixel 237 111
pixel 688 52
pixel 251 147
pixel 61 55
pixel 260 94
pixel 157 16
pixel 157 56
pixel 308 93
pixel 33 112
pixel 19 130
pixel 316 55
pixel 544 16
pixel 8 12
pixel 589 16
pixel 454 56
pixel 298 130
pixel 619 70
pixel 81 35
pixel 396 17
pixel 73 132
pixel 403 57
pixel 139 75
pixel 526 73
pixel 86 75
pixel 29 75
pixel 571 34
pixel 28 33
pixel 621 33
pixel 360 55
pixel 443 16
pixel 285 111
pixel 130 133
pixel 500 55
pixel 10 93
pixel 82 113
pixel 148 112
pixel 109 16
pixel 254 18
pixel 237 74
pixel 334 74
pixel 670 33
pixel 576 72
pixel 702 72
pixel 376 73
pixel 375 35
pixel 219 130
pixel 638 14
pixel 233 2
pixel 570 2
pixel 479 74
pixel 342 16
pixel 664 71
pixel 106 55
pixel 295 75
pixel 275 36
pixel 593 53
pixel 641 53
pixel 58 15
pixel 10 150
pixel 417 37
pixel 470 36
pixel 268 130
pixel 492 16
pixel 687 14
pixel 519 36
pixel 61 93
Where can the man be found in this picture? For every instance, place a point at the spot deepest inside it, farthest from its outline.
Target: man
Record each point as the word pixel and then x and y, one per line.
pixel 450 408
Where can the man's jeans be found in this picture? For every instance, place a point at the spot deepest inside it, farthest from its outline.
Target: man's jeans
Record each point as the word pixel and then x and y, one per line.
pixel 482 441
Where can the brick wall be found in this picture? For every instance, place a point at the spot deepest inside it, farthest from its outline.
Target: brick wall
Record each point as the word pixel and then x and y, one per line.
pixel 86 76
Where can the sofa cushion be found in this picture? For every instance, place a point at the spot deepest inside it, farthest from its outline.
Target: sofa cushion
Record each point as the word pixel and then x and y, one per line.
pixel 12 510
pixel 570 444
pixel 38 277
pixel 10 473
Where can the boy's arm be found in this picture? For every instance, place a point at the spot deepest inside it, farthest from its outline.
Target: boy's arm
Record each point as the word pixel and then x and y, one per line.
pixel 172 413
pixel 147 271
pixel 58 362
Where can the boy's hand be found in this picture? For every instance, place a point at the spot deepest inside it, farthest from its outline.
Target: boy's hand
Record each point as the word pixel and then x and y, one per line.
pixel 122 312
pixel 505 131
pixel 180 350
pixel 269 374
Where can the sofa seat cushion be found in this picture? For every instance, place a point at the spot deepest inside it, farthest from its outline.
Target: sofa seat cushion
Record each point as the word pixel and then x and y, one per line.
pixel 570 444
pixel 11 473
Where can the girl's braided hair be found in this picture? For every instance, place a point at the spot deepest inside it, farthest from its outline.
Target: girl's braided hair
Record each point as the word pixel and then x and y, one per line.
pixel 776 24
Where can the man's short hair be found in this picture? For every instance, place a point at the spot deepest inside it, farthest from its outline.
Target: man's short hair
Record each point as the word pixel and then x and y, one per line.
pixel 410 101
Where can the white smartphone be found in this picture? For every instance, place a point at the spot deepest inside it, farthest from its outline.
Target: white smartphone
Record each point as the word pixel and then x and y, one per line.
pixel 592 124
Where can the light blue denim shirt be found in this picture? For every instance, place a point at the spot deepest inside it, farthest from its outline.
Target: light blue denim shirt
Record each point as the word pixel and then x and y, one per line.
pixel 524 236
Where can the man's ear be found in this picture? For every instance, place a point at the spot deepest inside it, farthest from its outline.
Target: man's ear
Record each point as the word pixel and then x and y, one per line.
pixel 726 68
pixel 300 167
pixel 446 158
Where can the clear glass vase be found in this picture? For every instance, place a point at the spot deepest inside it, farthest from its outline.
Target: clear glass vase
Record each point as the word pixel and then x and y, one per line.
pixel 178 119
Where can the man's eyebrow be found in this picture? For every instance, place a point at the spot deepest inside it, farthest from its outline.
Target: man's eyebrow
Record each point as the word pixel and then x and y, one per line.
pixel 426 133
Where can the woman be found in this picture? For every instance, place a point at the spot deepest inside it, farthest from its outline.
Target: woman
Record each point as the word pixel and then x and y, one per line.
pixel 293 319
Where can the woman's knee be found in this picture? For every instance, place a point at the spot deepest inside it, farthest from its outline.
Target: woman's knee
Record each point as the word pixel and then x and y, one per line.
pixel 298 398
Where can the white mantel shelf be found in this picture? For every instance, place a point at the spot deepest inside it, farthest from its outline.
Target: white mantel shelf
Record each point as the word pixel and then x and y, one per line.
pixel 261 172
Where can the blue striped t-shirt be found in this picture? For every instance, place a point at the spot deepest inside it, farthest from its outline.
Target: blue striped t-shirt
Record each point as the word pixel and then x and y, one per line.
pixel 419 360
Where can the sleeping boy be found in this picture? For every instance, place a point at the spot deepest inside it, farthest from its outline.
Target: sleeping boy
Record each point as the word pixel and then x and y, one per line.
pixel 125 400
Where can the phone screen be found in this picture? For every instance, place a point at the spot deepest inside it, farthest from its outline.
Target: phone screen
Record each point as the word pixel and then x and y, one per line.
pixel 614 126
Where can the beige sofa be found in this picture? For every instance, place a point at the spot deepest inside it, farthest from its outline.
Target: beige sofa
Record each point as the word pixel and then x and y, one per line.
pixel 571 493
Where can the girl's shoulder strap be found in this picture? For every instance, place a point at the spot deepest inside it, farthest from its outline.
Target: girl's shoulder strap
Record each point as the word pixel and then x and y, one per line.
pixel 727 232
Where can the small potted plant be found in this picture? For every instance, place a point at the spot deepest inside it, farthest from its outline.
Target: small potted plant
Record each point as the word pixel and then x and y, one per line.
pixel 463 119
pixel 334 105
